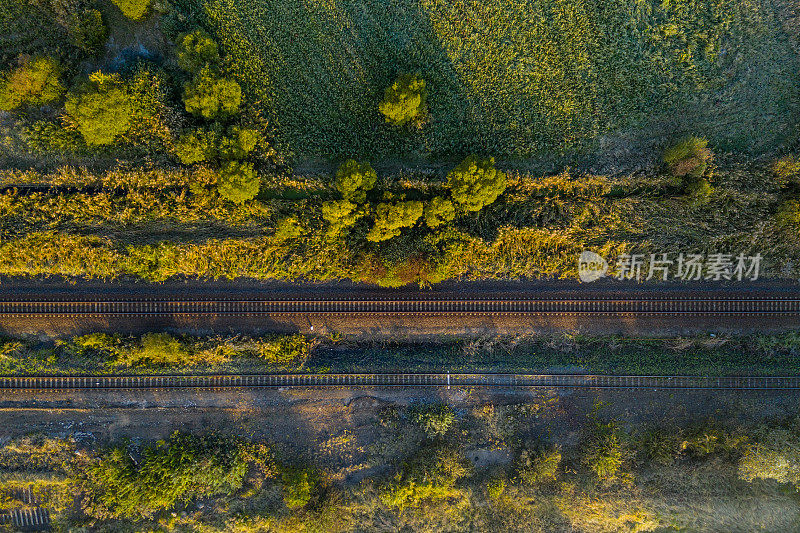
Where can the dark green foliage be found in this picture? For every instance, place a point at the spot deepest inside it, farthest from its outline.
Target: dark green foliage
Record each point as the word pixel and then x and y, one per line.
pixel 196 146
pixel 476 183
pixel 434 419
pixel 197 49
pixel 133 9
pixel 238 182
pixel 354 180
pixel 102 109
pixel 238 143
pixel 34 82
pixel 391 217
pixel 439 211
pixel 404 100
pixel 173 472
pixel 46 135
pixel 89 32
pixel 211 96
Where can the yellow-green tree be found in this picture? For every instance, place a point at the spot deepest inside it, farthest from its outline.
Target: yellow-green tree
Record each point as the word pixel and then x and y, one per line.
pixel 391 217
pixel 195 50
pixel 212 96
pixel 354 180
pixel 102 109
pixel 133 9
pixel 404 100
pixel 439 211
pixel 34 82
pixel 476 183
pixel 238 182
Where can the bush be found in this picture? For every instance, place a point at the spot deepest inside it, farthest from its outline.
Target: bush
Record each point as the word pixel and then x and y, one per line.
pixel 604 454
pixel 289 350
pixel 159 349
pixel 774 455
pixel 439 211
pixel 354 180
pixel 341 214
pixel 238 143
pixel 475 183
pixel 89 32
pixel 197 49
pixel 495 488
pixel 34 82
pixel 391 217
pixel 102 110
pixel 288 228
pixel 211 96
pixel 434 419
pixel 299 486
pixel 177 471
pixel 133 9
pixel 539 467
pixel 238 182
pixel 787 170
pixel 196 146
pixel 404 100
pixel 689 158
pixel 429 476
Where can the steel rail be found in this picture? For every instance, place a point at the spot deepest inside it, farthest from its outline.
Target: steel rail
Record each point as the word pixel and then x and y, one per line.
pixel 656 306
pixel 247 381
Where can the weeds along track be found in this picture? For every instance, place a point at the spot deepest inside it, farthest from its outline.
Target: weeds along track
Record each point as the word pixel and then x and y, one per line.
pixel 649 305
pixel 245 381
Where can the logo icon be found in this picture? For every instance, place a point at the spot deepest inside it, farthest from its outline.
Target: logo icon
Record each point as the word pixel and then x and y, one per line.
pixel 591 267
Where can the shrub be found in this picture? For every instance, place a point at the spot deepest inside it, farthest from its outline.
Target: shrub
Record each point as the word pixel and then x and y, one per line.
pixel 699 189
pixel 787 170
pixel 604 454
pixel 238 182
pixel 211 96
pixel 89 32
pixel 774 455
pixel 177 471
pixel 475 183
pixel 299 486
pixel 34 82
pixel 391 217
pixel 404 100
pixel 354 180
pixel 439 211
pixel 534 468
pixel 44 135
pixel 341 214
pixel 288 228
pixel 495 488
pixel 133 9
pixel 660 446
pixel 196 146
pixel 238 143
pixel 289 350
pixel 429 476
pixel 688 158
pixel 197 49
pixel 102 110
pixel 159 349
pixel 434 419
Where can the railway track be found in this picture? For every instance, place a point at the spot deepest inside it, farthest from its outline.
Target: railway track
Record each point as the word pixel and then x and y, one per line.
pixel 245 381
pixel 639 306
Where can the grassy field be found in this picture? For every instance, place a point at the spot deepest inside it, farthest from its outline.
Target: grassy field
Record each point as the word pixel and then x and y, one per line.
pixel 515 77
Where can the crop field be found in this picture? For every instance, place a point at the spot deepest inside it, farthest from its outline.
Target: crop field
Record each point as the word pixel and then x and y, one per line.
pixel 515 78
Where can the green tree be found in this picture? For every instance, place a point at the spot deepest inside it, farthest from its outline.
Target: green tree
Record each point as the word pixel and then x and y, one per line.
pixel 391 217
pixel 404 100
pixel 211 96
pixel 238 143
pixel 476 183
pixel 34 82
pixel 689 158
pixel 341 214
pixel 102 110
pixel 89 32
pixel 196 146
pixel 354 180
pixel 439 211
pixel 133 9
pixel 197 49
pixel 238 182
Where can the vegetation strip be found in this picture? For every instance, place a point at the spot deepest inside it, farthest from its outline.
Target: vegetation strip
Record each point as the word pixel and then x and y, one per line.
pixel 401 380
